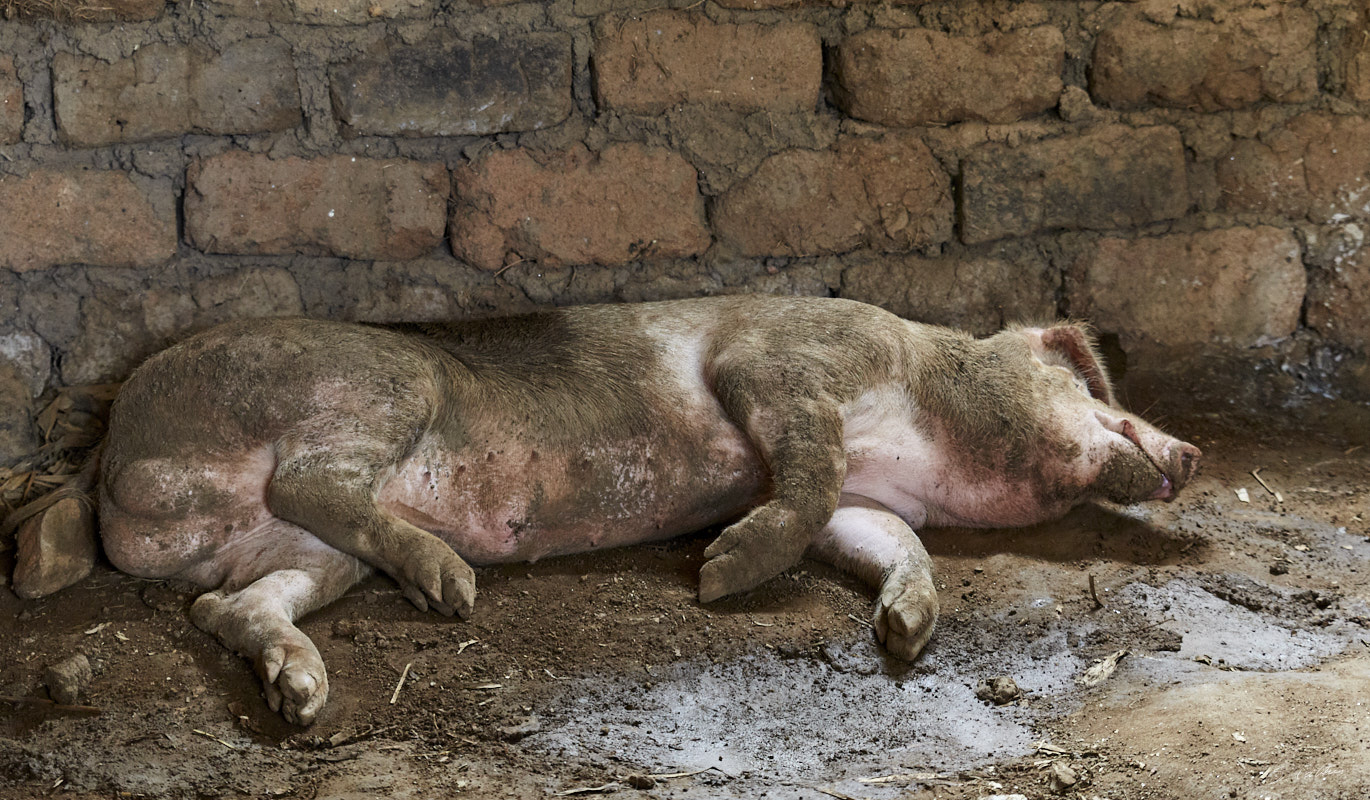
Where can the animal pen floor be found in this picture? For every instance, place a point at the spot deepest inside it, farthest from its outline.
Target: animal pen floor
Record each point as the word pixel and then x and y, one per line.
pixel 1246 626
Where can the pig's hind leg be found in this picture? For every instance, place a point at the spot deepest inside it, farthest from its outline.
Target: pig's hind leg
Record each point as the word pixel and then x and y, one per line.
pixel 332 494
pixel 254 614
pixel 872 542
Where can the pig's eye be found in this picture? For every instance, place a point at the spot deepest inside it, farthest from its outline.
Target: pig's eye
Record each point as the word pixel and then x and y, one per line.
pixel 1080 384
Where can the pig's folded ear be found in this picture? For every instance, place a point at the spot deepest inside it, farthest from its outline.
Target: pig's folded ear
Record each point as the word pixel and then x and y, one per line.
pixel 1074 344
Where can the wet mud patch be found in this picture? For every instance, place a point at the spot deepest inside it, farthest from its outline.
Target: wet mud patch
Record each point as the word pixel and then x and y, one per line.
pixel 813 717
pixel 1236 622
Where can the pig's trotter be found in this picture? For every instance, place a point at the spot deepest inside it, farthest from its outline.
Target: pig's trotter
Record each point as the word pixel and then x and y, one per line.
pixel 760 546
pixel 433 576
pixel 869 540
pixel 258 620
pixel 336 503
pixel 294 678
pixel 906 611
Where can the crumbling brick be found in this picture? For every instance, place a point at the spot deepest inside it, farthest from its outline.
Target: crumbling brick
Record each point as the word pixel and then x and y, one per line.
pixel 650 63
pixel 55 217
pixel 1110 177
pixel 1250 56
pixel 887 194
pixel 164 91
pixel 250 204
pixel 914 76
pixel 624 204
pixel 1230 288
pixel 445 86
pixel 11 103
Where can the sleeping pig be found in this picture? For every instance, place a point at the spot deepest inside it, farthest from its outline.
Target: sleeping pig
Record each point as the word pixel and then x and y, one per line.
pixel 278 462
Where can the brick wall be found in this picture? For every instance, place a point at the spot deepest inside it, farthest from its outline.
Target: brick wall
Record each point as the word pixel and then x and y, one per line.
pixel 1192 177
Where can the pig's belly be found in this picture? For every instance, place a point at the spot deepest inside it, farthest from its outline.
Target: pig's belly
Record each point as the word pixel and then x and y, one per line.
pixel 510 501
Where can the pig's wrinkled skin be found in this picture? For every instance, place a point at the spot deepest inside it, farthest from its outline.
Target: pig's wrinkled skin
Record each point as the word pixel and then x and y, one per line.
pixel 277 462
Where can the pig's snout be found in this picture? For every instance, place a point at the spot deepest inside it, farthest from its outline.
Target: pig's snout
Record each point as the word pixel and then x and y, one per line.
pixel 1180 466
pixel 1175 460
pixel 1177 465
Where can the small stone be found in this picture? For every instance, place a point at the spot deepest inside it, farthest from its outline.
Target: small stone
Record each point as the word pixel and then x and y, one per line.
pixel 1075 105
pixel 1061 777
pixel 998 690
pixel 67 680
pixel 56 549
pixel 1279 568
pixel 520 728
pixel 640 781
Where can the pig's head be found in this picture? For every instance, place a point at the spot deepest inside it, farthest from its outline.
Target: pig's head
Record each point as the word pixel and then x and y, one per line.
pixel 1112 454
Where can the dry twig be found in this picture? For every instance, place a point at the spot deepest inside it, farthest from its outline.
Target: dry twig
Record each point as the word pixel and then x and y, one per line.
pixel 400 685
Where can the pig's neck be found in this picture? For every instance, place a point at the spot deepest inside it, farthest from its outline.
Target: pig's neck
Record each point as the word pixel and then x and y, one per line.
pixel 905 459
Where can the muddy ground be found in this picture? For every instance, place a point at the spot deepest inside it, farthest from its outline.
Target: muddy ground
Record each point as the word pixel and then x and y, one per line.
pixel 1246 626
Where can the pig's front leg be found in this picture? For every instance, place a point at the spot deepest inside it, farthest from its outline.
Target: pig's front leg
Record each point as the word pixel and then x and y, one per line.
pixel 801 445
pixel 872 542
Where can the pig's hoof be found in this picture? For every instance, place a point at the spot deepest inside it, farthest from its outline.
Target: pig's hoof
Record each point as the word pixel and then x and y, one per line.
pixel 761 546
pixel 294 678
pixel 435 577
pixel 905 615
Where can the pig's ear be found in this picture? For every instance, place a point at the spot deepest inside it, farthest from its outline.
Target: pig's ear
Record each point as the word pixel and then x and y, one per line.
pixel 1073 345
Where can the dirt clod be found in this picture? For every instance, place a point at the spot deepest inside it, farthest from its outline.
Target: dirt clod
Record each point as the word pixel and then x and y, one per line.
pixel 520 728
pixel 162 598
pixel 998 690
pixel 1061 777
pixel 67 680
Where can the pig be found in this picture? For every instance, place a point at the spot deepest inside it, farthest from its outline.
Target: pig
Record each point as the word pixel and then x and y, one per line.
pixel 278 462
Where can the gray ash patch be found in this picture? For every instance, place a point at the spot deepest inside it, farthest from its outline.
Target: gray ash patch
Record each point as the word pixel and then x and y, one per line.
pixel 1240 623
pixel 836 712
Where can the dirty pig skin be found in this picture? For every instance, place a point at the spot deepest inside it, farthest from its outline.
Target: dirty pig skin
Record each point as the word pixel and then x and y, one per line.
pixel 278 462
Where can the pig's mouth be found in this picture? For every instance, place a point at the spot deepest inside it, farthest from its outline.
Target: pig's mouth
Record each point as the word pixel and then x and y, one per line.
pixel 1168 489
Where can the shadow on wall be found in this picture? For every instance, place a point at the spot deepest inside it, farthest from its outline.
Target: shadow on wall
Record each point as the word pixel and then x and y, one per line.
pixel 1189 184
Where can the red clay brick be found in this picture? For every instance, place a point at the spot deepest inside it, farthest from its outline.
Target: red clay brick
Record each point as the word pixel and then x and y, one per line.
pixel 1110 177
pixel 248 204
pixel 1252 55
pixel 624 204
pixel 648 64
pixel 165 91
pixel 888 194
pixel 1318 166
pixel 102 218
pixel 1229 288
pixel 446 86
pixel 914 76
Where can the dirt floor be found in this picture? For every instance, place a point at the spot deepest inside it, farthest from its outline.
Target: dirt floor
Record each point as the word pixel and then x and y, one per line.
pixel 1246 627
